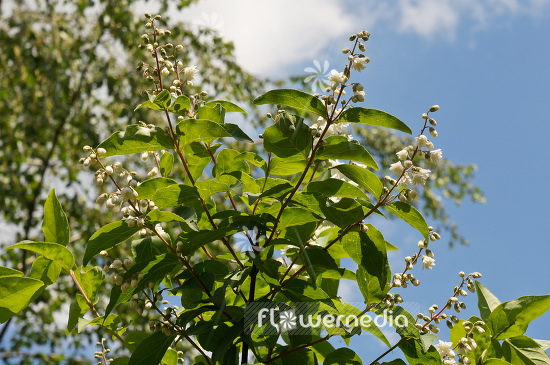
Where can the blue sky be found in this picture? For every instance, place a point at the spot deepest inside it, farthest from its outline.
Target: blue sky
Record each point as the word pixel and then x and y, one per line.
pixel 485 63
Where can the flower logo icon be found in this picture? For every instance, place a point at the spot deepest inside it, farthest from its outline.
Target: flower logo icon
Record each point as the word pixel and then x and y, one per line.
pixel 318 75
pixel 209 23
pixel 243 241
pixel 288 320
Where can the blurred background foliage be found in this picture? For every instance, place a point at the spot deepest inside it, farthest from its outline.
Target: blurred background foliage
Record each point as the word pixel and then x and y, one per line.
pixel 68 79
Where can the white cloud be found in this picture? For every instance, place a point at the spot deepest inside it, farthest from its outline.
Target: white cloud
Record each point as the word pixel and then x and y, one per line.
pixel 270 36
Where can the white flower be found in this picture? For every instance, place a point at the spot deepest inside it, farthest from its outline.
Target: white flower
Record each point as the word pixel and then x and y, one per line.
pixel 359 95
pixel 336 78
pixel 189 73
pixel 154 171
pixel 165 72
pixel 405 180
pixel 396 168
pixel 403 154
pixel 427 262
pixel 435 156
pixel 337 92
pixel 450 362
pixel 445 349
pixel 126 194
pixel 359 63
pixel 420 176
pixel 422 141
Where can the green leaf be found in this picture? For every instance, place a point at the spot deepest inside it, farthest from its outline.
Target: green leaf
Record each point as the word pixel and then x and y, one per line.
pixel 296 217
pixel 288 137
pixel 163 216
pixel 174 195
pixel 181 105
pixel 120 361
pixel 284 167
pixel 413 349
pixel 347 151
pixel 78 308
pixel 45 270
pixel 149 187
pixel 395 362
pixel 236 132
pixel 368 250
pixel 52 251
pixel 55 225
pixel 304 357
pixel 151 350
pixel 215 113
pixel 227 105
pixel 136 139
pixel 148 104
pixel 523 350
pixel 15 294
pixel 199 130
pixel 486 301
pixel 163 99
pixel 342 356
pixel 373 117
pixel 170 358
pixel 166 164
pixel 90 279
pixel 108 237
pixel 210 187
pixel 343 213
pixel 410 215
pixel 496 362
pixel 427 340
pixel 296 99
pixel 510 319
pixel 228 161
pixel 146 249
pixel 335 187
pixel 133 339
pixel 195 240
pixel 363 177
pixel 6 271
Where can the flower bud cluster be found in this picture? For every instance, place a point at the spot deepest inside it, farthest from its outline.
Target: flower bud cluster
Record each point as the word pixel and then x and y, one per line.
pixel 166 325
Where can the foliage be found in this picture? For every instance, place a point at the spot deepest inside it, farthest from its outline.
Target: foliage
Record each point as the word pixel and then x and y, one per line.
pixel 298 208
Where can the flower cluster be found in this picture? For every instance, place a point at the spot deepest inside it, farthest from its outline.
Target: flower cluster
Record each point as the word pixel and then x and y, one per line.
pixel 165 60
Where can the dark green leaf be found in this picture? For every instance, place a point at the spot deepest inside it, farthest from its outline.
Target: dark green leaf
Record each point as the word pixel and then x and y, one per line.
pixel 363 177
pixel 135 139
pixel 342 356
pixel 108 237
pixel 195 240
pixel 174 195
pixel 236 132
pixel 151 350
pixel 78 308
pixel 303 357
pixel 347 151
pixel 373 117
pixel 296 99
pixel 410 215
pixel 368 250
pixel 55 225
pixel 335 187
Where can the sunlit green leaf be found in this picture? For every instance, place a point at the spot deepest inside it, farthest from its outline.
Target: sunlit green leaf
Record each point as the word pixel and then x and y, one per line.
pixel 296 99
pixel 52 251
pixel 55 225
pixel 373 117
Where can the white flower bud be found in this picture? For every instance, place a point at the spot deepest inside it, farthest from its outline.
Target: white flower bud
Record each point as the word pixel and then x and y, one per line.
pixel 110 204
pixel 102 198
pixel 131 222
pixel 132 183
pixel 408 259
pixel 407 164
pixel 87 148
pixel 86 162
pixel 424 116
pixel 128 262
pixel 165 72
pixel 101 151
pixel 148 304
pixel 125 286
pixel 433 132
pixel 139 276
pixel 134 283
pixel 119 280
pixel 140 222
pixel 145 156
pixel 103 253
pixel 434 108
